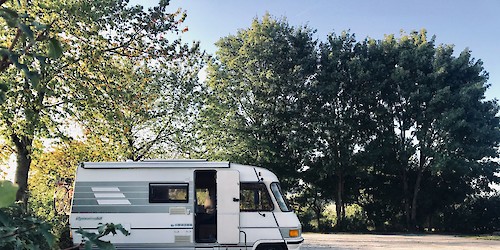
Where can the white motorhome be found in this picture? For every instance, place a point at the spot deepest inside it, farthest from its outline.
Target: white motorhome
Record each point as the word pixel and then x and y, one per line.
pixel 184 204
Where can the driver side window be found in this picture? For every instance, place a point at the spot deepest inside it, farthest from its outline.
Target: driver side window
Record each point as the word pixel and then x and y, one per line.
pixel 254 197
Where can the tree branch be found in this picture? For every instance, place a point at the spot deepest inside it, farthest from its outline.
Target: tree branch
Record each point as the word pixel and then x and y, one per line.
pixel 5 63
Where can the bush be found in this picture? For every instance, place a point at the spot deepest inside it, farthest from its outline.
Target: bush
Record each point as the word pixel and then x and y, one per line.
pixel 475 215
pixel 356 219
pixel 20 230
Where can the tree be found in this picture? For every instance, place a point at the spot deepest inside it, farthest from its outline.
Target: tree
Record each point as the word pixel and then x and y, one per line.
pixel 340 115
pixel 253 109
pixel 432 102
pixel 27 83
pixel 90 31
pixel 140 92
pixel 144 108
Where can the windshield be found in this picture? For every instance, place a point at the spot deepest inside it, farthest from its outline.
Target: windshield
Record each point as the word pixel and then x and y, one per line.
pixel 282 203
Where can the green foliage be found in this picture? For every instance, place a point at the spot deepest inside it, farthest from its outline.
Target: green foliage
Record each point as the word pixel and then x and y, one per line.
pixel 477 214
pixel 429 131
pixel 8 191
pixel 399 126
pixel 19 230
pixel 94 239
pixel 313 208
pixel 103 40
pixel 30 42
pixel 339 111
pixel 61 162
pixel 254 97
pixel 144 110
pixel 135 86
pixel 355 219
pixel 26 33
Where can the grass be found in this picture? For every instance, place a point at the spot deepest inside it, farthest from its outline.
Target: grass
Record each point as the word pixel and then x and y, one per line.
pixel 482 236
pixel 488 237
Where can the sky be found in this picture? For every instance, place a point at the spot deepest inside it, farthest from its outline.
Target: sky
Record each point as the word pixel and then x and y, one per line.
pixel 467 24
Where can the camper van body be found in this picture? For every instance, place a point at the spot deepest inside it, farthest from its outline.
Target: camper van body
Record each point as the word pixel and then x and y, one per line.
pixel 184 205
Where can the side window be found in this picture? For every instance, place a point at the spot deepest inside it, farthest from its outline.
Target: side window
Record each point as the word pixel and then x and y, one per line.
pixel 168 193
pixel 254 197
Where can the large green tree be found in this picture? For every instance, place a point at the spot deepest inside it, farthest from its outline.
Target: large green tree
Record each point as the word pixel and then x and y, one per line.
pixel 433 122
pixel 92 33
pixel 26 69
pixel 146 109
pixel 255 95
pixel 340 115
pixel 140 87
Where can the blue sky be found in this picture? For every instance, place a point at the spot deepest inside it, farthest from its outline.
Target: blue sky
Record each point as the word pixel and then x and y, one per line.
pixel 464 23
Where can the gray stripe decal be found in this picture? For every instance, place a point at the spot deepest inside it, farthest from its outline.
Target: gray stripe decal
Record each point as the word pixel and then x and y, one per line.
pixel 131 189
pixel 79 195
pixel 122 209
pixel 114 197
pixel 111 184
pixel 79 202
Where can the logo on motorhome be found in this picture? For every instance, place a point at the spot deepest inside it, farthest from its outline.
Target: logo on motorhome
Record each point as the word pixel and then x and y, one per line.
pixel 182 225
pixel 89 218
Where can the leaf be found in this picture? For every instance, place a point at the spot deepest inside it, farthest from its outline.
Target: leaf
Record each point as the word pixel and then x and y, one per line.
pixel 88 246
pixel 49 237
pixel 34 77
pixel 85 234
pixel 42 60
pixel 8 12
pixel 8 191
pixel 26 30
pixel 104 245
pixel 39 26
pixel 10 16
pixel 5 220
pixel 123 230
pixel 55 49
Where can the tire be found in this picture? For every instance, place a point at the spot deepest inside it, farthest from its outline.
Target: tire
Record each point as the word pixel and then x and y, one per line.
pixel 276 246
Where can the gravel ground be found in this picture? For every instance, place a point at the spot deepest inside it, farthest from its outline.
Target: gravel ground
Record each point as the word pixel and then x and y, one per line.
pixel 399 241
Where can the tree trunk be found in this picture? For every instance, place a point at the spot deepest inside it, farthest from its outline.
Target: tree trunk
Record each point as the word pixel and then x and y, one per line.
pixel 23 152
pixel 340 203
pixel 318 217
pixel 406 199
pixel 317 210
pixel 415 197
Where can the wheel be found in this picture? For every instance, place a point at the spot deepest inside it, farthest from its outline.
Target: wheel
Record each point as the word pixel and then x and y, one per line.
pixel 271 247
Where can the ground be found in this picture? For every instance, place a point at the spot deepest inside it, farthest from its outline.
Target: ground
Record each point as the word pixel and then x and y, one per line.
pixel 395 241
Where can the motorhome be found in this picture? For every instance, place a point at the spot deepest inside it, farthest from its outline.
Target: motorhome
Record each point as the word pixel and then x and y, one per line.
pixel 184 204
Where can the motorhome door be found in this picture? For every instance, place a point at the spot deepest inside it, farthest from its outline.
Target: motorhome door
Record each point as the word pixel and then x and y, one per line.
pixel 228 206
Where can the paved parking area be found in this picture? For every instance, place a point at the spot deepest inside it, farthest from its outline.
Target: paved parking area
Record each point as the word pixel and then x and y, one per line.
pixel 406 241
